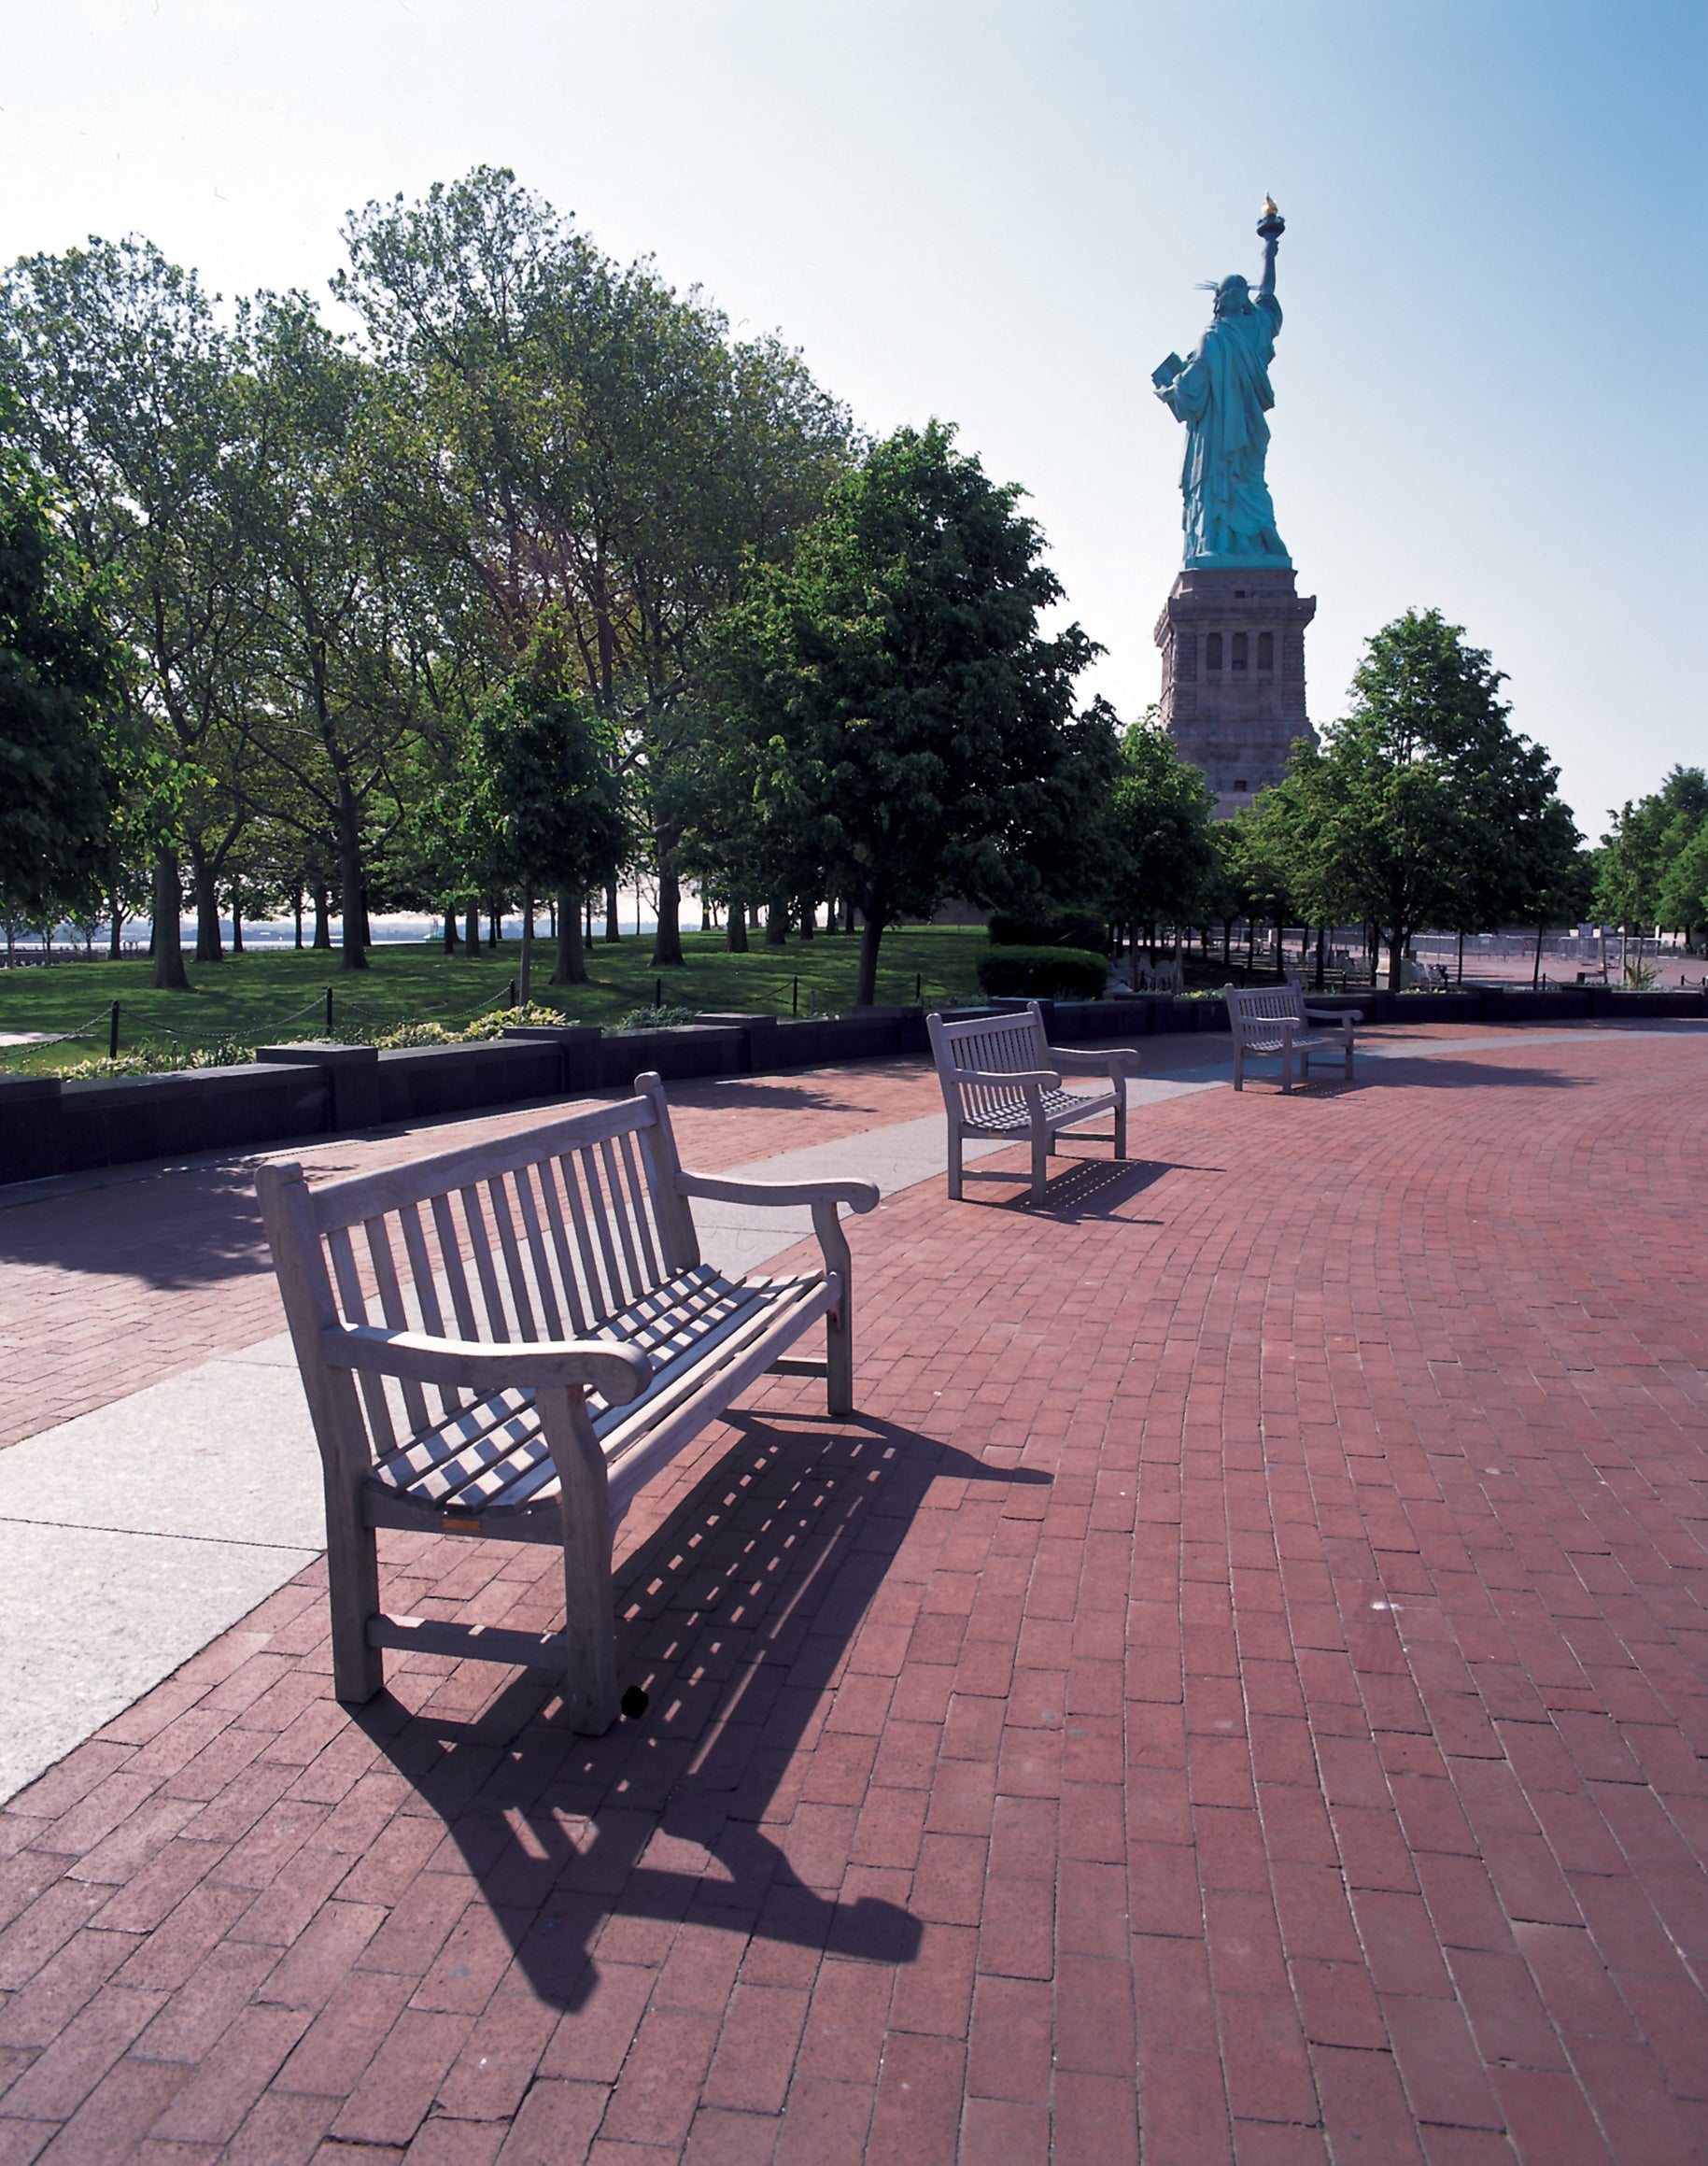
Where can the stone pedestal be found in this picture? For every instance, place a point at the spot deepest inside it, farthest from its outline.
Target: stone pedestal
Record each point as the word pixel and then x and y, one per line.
pixel 1232 647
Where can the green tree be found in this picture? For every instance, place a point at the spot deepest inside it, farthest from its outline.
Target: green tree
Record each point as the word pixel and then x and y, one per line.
pixel 902 715
pixel 543 796
pixel 345 613
pixel 602 450
pixel 58 680
pixel 1640 883
pixel 1423 806
pixel 124 395
pixel 1162 861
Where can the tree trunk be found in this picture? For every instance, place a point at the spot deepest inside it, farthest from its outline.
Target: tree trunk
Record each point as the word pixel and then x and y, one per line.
pixel 208 948
pixel 470 930
pixel 495 922
pixel 1396 960
pixel 296 913
pixel 776 923
pixel 525 969
pixel 806 910
pixel 1323 934
pixel 735 928
pixel 667 941
pixel 1535 976
pixel 323 915
pixel 613 931
pixel 1227 943
pixel 1281 952
pixel 115 943
pixel 450 928
pixel 871 932
pixel 169 972
pixel 236 923
pixel 1459 974
pixel 571 969
pixel 351 884
pixel 706 913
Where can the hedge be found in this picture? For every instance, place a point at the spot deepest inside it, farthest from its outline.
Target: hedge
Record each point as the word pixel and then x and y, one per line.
pixel 1042 973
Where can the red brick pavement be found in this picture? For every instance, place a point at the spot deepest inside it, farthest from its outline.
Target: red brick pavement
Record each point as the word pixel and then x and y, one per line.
pixel 106 1289
pixel 1240 1681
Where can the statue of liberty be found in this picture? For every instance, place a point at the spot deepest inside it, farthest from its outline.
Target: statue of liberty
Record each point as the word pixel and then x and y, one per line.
pixel 1222 392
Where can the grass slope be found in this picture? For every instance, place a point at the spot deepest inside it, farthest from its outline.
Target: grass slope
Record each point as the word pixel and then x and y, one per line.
pixel 251 997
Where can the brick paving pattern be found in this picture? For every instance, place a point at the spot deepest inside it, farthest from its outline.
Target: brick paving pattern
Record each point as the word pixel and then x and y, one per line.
pixel 1239 1683
pixel 172 1267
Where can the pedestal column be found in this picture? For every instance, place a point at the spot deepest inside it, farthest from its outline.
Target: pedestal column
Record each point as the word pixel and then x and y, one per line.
pixel 1232 647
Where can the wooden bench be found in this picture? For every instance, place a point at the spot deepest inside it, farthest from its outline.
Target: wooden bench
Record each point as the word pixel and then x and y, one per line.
pixel 508 1340
pixel 999 1078
pixel 1272 1021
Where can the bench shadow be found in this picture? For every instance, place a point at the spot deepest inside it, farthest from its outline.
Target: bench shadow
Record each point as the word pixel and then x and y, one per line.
pixel 1448 1074
pixel 1088 1188
pixel 735 1615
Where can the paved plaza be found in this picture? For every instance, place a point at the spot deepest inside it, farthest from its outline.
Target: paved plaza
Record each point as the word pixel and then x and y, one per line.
pixel 1235 1690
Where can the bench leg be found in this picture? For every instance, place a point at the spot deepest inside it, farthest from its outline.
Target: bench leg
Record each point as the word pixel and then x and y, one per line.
pixel 954 1161
pixel 352 1581
pixel 1040 1162
pixel 589 1628
pixel 839 1357
pixel 1121 1120
pixel 1239 1066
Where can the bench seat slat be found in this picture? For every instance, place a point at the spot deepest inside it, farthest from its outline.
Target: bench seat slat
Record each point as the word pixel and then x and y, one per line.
pixel 490 1456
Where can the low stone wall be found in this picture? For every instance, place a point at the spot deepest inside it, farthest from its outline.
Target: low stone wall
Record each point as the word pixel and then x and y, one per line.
pixel 47 1128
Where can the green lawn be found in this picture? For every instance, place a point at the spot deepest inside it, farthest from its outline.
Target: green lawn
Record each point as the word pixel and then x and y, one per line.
pixel 249 998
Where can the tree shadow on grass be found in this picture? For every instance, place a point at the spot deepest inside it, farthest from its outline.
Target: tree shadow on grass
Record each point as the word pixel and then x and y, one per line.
pixel 736 1616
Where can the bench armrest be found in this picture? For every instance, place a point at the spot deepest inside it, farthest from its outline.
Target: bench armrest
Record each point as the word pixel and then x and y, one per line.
pixel 1334 1015
pixel 1111 1060
pixel 1045 1077
pixel 859 1195
pixel 618 1373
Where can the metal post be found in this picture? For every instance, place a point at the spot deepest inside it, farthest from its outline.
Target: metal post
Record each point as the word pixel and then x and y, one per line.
pixel 794 1005
pixel 512 1000
pixel 658 983
pixel 112 1034
pixel 329 1010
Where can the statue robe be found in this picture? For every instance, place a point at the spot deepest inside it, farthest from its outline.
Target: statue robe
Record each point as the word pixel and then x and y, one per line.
pixel 1223 394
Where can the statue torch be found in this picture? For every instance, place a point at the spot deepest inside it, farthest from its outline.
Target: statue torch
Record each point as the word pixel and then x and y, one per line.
pixel 1270 228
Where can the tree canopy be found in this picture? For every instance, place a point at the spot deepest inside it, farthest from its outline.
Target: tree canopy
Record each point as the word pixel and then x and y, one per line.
pixel 896 708
pixel 1423 806
pixel 59 776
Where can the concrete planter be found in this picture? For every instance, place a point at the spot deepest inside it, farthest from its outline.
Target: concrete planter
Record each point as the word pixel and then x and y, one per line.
pixel 179 1115
pixel 418 1082
pixel 32 1136
pixel 351 1073
pixel 676 1053
pixel 579 1066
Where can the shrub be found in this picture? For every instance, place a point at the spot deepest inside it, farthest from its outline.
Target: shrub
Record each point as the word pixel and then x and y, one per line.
pixel 1036 973
pixel 655 1018
pixel 1050 929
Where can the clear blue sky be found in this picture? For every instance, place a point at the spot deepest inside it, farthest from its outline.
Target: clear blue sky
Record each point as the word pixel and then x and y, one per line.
pixel 1491 381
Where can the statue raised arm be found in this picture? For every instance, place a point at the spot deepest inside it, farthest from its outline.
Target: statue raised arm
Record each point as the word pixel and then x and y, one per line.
pixel 1222 392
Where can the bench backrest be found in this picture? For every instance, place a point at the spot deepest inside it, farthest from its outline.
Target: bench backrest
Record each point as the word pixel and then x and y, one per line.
pixel 546 1234
pixel 1257 1011
pixel 987 1045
